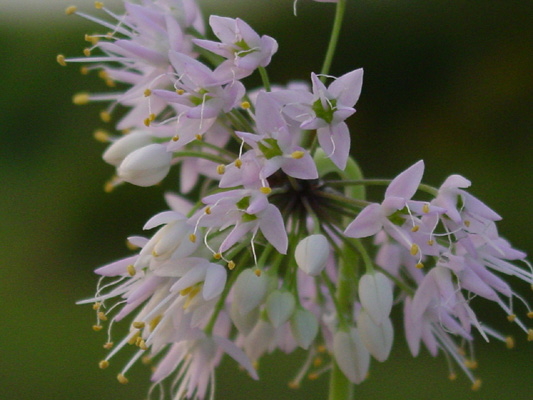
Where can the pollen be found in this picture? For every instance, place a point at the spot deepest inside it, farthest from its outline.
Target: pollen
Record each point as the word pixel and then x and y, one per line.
pixel 110 83
pixel 138 324
pixel 122 379
pixel 97 328
pixel 425 208
pixel 103 364
pixel 146 360
pixel 180 91
pixel 101 136
pixel 131 270
pixel 152 117
pixel 84 70
pixel 509 342
pixel 175 138
pixel 415 228
pixel 198 137
pixel 322 348
pixel 192 238
pixel 452 377
pixel 511 317
pixel 155 322
pixel 86 52
pixel 431 242
pixel 265 190
pixel 530 314
pixel 257 272
pixel 147 93
pixel 246 105
pixel 471 364
pixel 71 10
pixel 530 335
pixel 98 5
pixel 91 39
pixel 102 316
pixel 134 338
pixel 96 305
pixel 81 99
pixel 142 345
pixel 297 154
pixel 221 168
pixel 105 116
pixel 217 256
pixel 61 60
pixel 467 223
pixel 238 163
pixel 231 265
pixel 294 385
pixel 317 362
pixel 108 345
pixel 207 210
pixel 476 385
pixel 313 376
pixel 185 291
pixel 147 122
pixel 108 187
pixel 419 265
pixel 414 249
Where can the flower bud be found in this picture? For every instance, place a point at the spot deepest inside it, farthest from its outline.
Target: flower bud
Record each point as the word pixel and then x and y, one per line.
pixel 259 339
pixel 250 290
pixel 304 327
pixel 312 254
pixel 243 323
pixel 146 166
pixel 376 338
pixel 351 355
pixel 120 149
pixel 279 307
pixel 375 294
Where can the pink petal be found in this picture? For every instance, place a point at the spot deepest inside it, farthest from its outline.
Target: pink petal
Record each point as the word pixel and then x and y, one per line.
pixel 273 228
pixel 406 184
pixel 367 223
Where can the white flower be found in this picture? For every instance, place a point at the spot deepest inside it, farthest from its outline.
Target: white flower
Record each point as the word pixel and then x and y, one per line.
pixel 375 294
pixel 312 254
pixel 146 166
pixel 351 355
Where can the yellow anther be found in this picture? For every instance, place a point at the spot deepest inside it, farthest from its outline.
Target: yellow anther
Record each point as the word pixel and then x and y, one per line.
pixel 152 117
pixel 131 270
pixel 71 10
pixel 103 364
pixel 313 376
pixel 467 223
pixel 175 138
pixel 221 168
pixel 61 60
pixel 147 92
pixel 99 5
pixel 96 305
pixel 414 249
pixel 102 316
pixel 138 341
pixel 419 265
pixel 297 154
pixel 180 91
pixel 192 237
pixel 131 246
pixel 231 265
pixel 511 317
pixel 122 379
pixel 102 74
pixel 89 38
pixel 84 70
pixel 476 385
pixel 154 254
pixel 217 256
pixel 530 314
pixel 207 210
pixel 105 116
pixel 415 228
pixel 265 190
pixel 257 272
pixel 146 360
pixel 246 105
pixel 108 187
pixel 192 295
pixel 81 99
pixel 142 345
pixel 147 122
pixel 509 342
pixel 155 322
pixel 322 348
pixel 87 52
pixel 97 328
pixel 530 335
pixel 294 385
pixel 108 345
pixel 109 35
pixel 425 208
pixel 198 137
pixel 134 338
pixel 452 376
pixel 186 291
pixel 101 136
pixel 471 364
pixel 110 83
pixel 431 242
pixel 461 351
pixel 138 324
pixel 238 163
pixel 317 362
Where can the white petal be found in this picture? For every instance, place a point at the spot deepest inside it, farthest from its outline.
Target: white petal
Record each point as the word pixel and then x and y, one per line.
pixel 312 254
pixel 215 280
pixel 375 294
pixel 304 327
pixel 351 355
pixel 376 338
pixel 280 306
pixel 249 290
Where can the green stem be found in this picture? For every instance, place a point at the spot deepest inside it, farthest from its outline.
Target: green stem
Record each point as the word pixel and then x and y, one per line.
pixel 340 388
pixel 335 32
pixel 206 156
pixel 264 78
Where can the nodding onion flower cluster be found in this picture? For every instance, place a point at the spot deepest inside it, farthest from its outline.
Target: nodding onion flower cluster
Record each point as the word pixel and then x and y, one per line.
pixel 272 255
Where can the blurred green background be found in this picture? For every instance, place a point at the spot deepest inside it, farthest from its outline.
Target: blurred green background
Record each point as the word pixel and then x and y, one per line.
pixel 447 81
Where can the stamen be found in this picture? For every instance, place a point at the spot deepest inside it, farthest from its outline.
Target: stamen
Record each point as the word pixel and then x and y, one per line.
pixel 147 92
pixel 476 385
pixel 198 136
pixel 138 324
pixel 122 379
pixel 61 60
pixel 71 10
pixel 97 328
pixel 98 5
pixel 509 342
pixel 419 265
pixel 131 270
pixel 265 190
pixel 102 316
pixel 246 105
pixel 81 99
pixel 231 265
pixel 257 272
pixel 238 163
pixel 530 335
pixel 108 345
pixel 101 136
pixel 297 154
pixel 192 238
pixel 425 208
pixel 415 228
pixel 105 116
pixel 103 364
pixel 511 317
pixel 97 305
pixel 221 169
pixel 414 249
pixel 84 70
